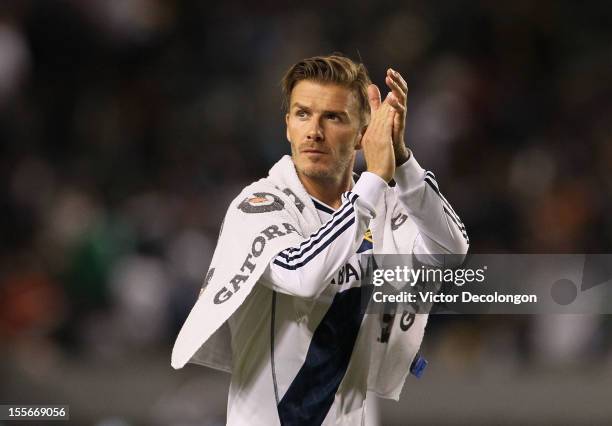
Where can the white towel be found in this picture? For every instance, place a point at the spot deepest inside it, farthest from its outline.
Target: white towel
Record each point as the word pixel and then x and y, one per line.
pixel 281 201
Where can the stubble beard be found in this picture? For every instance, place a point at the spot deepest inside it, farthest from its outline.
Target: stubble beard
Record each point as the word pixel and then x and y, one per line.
pixel 329 172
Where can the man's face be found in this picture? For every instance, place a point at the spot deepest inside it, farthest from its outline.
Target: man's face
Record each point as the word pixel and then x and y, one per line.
pixel 324 129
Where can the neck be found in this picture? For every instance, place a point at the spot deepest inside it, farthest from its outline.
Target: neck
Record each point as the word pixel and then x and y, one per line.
pixel 327 190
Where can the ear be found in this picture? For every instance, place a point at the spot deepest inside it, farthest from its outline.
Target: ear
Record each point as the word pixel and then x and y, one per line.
pixel 287 127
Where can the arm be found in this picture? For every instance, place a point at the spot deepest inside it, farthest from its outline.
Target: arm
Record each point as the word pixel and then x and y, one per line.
pixel 306 270
pixel 441 229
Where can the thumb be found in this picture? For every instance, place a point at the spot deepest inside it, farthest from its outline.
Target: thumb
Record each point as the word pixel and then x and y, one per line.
pixel 373 97
pixel 389 117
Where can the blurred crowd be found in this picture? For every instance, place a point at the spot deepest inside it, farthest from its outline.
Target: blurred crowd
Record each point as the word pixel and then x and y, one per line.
pixel 127 126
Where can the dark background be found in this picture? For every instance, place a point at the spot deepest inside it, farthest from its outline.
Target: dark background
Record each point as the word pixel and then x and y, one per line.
pixel 127 126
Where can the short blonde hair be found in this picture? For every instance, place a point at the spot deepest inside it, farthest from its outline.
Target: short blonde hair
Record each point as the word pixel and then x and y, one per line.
pixel 335 68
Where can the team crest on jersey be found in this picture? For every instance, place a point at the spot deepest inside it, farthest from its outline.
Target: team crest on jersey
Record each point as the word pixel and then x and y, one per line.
pixel 261 202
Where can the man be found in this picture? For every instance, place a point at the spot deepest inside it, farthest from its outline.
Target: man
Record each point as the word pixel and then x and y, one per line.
pixel 281 305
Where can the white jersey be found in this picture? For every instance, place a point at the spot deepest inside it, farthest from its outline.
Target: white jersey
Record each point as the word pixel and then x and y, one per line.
pixel 293 338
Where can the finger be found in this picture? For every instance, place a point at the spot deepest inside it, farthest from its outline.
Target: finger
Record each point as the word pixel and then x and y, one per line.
pixel 400 95
pixel 379 118
pixel 395 85
pixel 374 97
pixel 397 77
pixel 386 105
pixel 392 100
pixel 389 117
pixel 398 107
pixel 402 82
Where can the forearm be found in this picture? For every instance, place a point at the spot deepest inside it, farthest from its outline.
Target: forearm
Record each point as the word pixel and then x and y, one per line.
pixel 402 154
pixel 440 228
pixel 305 270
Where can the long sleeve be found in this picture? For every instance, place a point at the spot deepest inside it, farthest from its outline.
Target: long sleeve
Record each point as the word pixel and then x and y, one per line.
pixel 305 270
pixel 441 231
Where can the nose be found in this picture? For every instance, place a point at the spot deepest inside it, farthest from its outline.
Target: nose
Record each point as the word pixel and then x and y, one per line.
pixel 315 132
